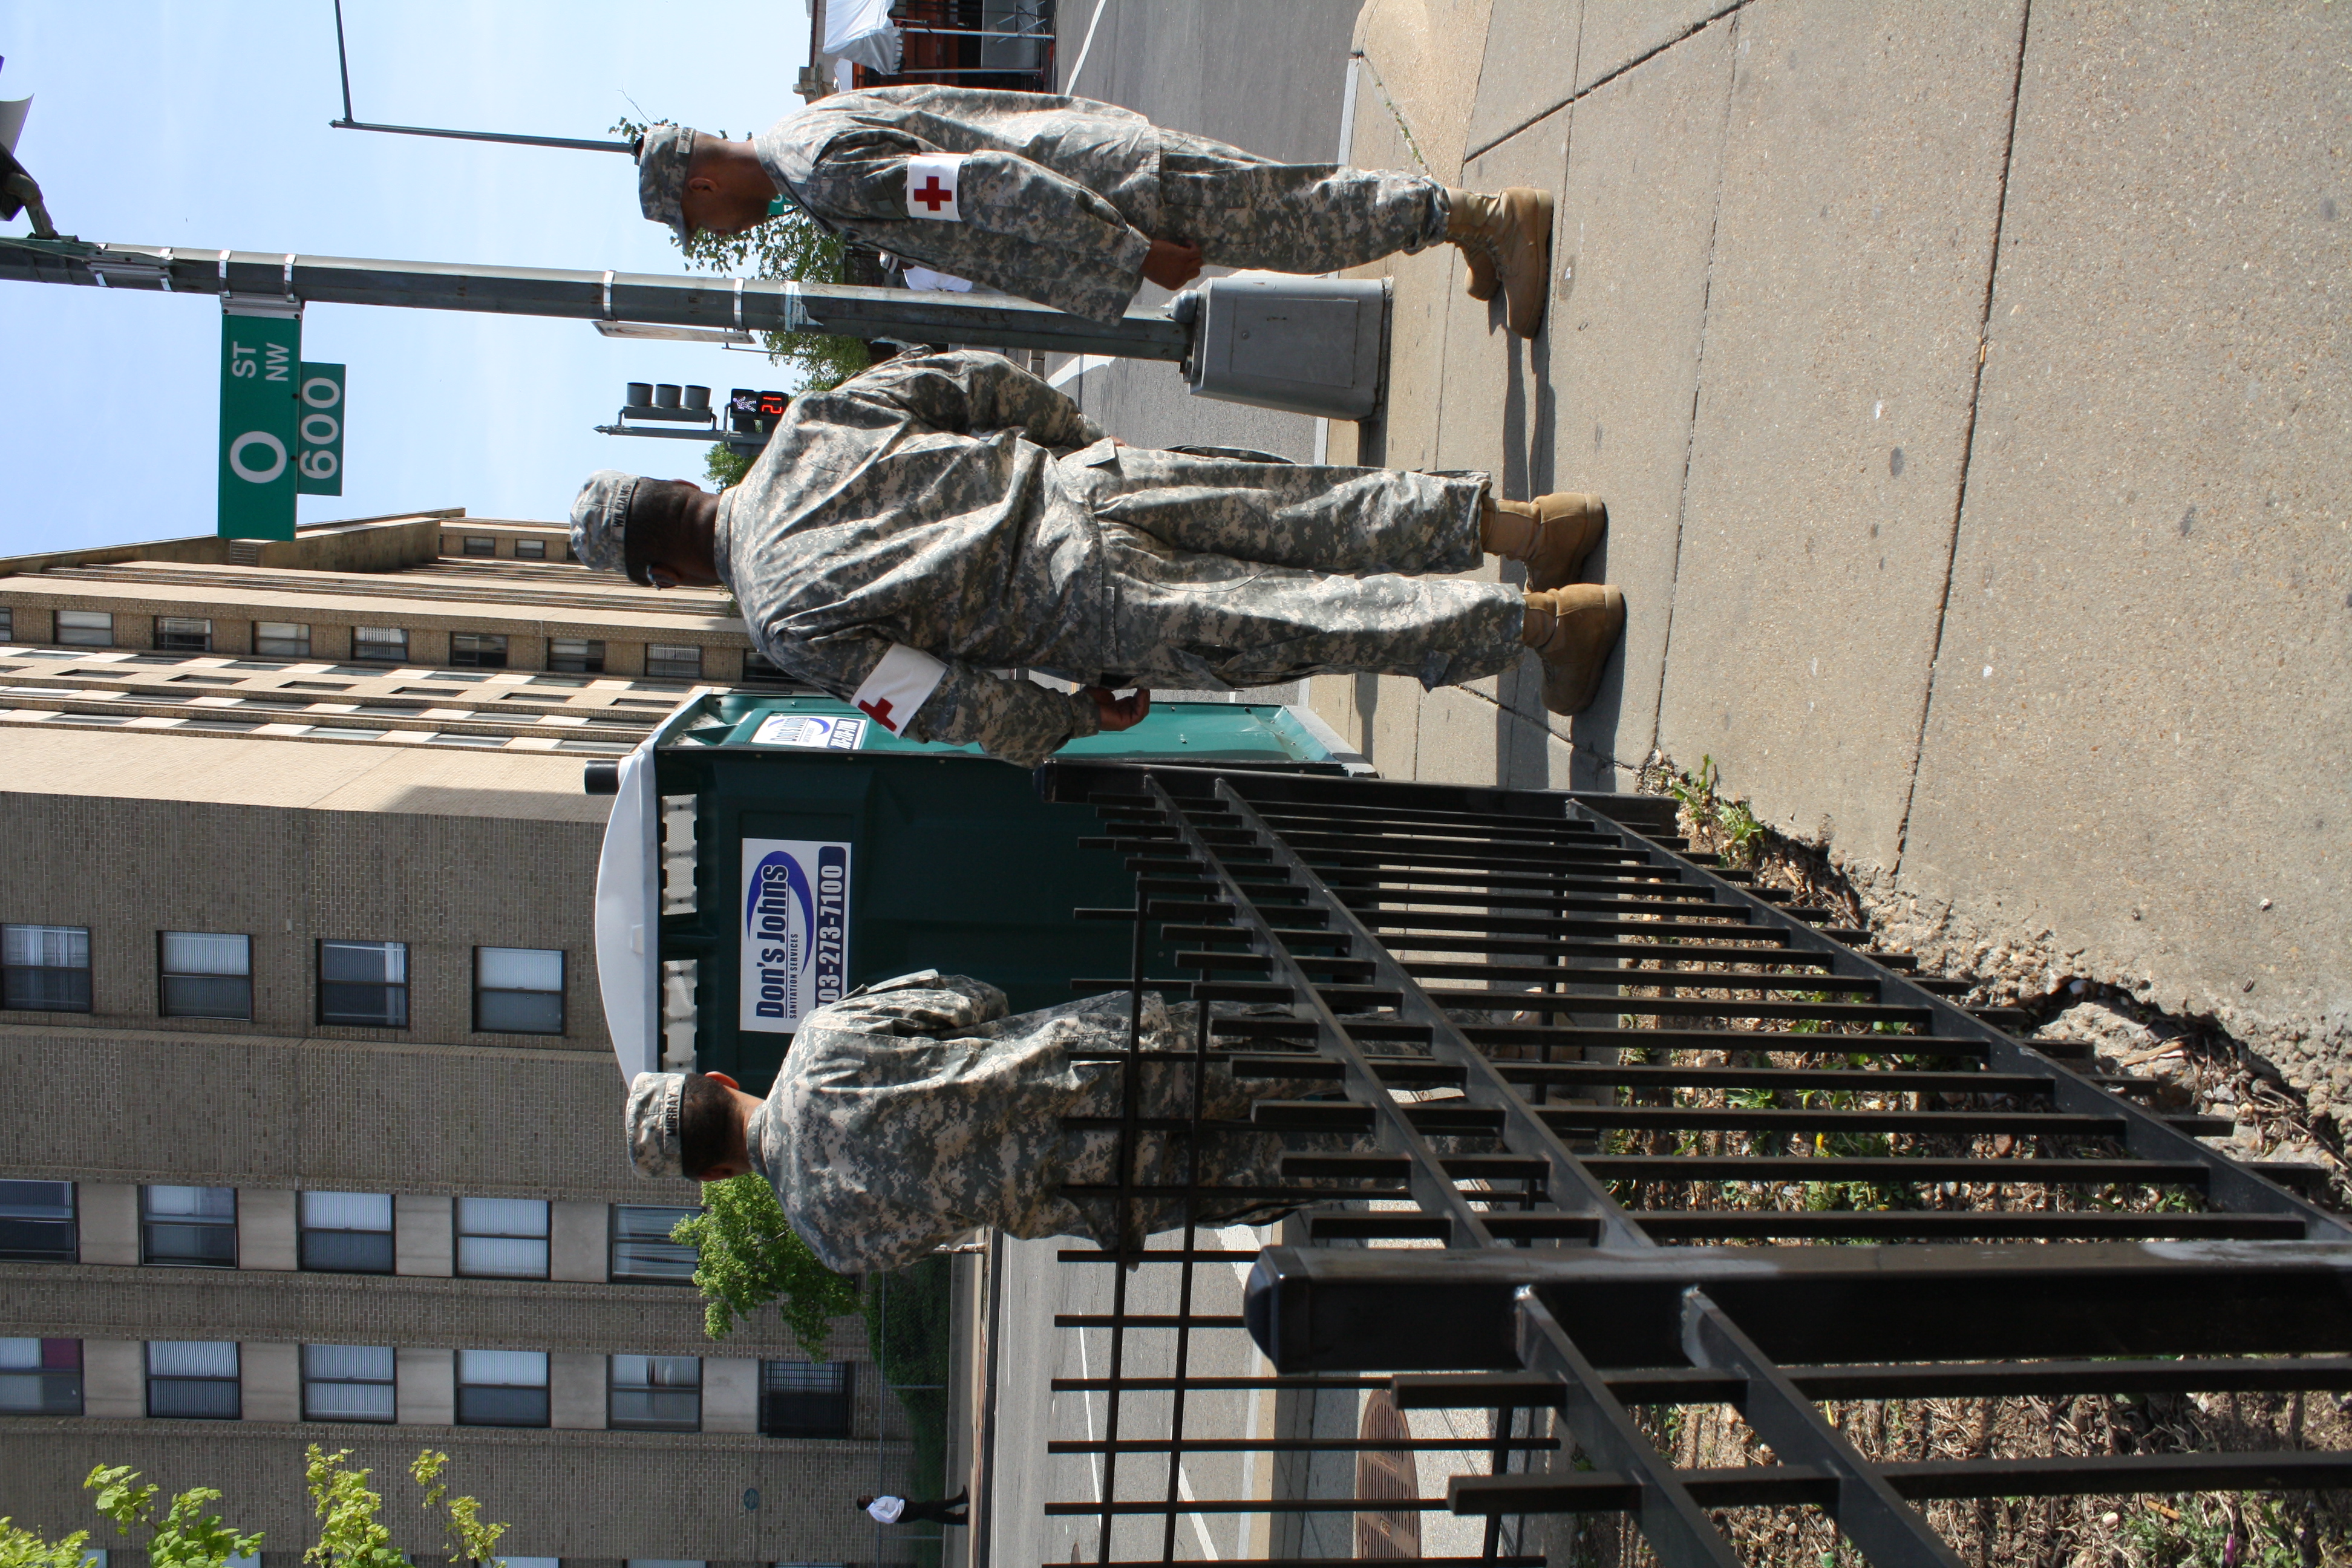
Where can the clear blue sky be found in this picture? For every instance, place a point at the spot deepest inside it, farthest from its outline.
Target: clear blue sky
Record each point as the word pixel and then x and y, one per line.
pixel 203 123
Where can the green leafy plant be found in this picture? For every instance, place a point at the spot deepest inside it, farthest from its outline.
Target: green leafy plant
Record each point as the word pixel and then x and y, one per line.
pixel 746 1256
pixel 20 1548
pixel 1701 794
pixel 1739 829
pixel 789 245
pixel 470 1540
pixel 185 1537
pixel 726 466
pixel 2202 1530
pixel 351 1531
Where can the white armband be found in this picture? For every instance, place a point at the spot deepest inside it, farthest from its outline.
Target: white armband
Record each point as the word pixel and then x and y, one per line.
pixel 898 686
pixel 931 179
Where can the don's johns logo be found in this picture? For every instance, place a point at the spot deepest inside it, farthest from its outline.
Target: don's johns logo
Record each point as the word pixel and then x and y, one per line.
pixel 795 944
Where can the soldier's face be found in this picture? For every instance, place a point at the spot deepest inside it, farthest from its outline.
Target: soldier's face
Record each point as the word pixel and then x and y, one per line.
pixel 709 206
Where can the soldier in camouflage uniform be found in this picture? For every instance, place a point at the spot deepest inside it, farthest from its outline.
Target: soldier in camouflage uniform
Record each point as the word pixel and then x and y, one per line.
pixel 1072 202
pixel 914 1110
pixel 960 508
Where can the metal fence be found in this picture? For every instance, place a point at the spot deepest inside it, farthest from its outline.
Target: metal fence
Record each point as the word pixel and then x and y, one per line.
pixel 1612 1134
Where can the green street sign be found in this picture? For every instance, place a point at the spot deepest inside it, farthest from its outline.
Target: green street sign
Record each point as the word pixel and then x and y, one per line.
pixel 260 356
pixel 319 460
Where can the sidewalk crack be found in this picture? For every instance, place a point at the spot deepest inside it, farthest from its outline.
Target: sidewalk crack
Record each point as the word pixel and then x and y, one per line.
pixel 1577 94
pixel 1404 128
pixel 1968 443
pixel 1698 388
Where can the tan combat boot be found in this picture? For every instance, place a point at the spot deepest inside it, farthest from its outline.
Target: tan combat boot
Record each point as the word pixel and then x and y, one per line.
pixel 1552 534
pixel 1514 229
pixel 1572 629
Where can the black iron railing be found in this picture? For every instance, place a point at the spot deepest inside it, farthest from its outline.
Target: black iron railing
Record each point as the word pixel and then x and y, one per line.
pixel 1621 1133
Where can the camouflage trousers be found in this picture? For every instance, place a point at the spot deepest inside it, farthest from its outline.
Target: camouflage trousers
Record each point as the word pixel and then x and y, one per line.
pixel 1246 211
pixel 1232 1159
pixel 1228 574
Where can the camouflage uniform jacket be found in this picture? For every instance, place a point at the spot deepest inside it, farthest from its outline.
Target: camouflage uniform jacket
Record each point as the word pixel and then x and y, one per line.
pixel 914 1110
pixel 1059 196
pixel 916 503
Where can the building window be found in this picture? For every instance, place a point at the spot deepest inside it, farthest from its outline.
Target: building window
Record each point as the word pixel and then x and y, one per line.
pixel 363 982
pixel 478 650
pixel 193 1380
pixel 381 645
pixel 642 1250
pixel 759 669
pixel 806 1398
pixel 281 639
pixel 37 1222
pixel 502 1237
pixel 205 975
pixel 347 1233
pixel 575 656
pixel 183 634
pixel 86 629
pixel 656 1393
pixel 7 623
pixel 530 550
pixel 476 544
pixel 45 969
pixel 672 662
pixel 502 1388
pixel 347 1382
pixel 40 1377
pixel 518 990
pixel 194 1227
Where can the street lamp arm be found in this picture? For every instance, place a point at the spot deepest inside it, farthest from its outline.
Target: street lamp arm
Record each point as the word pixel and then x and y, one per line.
pixel 758 305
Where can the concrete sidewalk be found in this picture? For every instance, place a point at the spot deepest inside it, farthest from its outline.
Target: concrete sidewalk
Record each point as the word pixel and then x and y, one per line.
pixel 1969 385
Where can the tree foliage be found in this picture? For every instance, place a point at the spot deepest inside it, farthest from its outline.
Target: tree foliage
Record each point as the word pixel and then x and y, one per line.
pixel 746 1256
pixel 185 1537
pixel 726 466
pixel 351 1531
pixel 20 1548
pixel 790 246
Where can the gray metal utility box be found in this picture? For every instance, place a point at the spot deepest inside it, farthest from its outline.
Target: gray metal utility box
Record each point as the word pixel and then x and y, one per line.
pixel 1308 346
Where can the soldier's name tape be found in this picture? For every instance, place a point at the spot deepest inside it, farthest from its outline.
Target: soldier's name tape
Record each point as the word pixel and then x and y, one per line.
pixel 899 685
pixel 931 179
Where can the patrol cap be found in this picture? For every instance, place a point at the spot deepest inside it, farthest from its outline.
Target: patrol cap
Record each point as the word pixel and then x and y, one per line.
pixel 600 523
pixel 661 159
pixel 652 1123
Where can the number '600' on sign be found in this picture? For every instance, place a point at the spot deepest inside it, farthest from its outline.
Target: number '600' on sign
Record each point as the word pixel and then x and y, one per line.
pixel 320 468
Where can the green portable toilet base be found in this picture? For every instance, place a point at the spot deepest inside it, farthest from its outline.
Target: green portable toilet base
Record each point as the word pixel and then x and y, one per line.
pixel 830 852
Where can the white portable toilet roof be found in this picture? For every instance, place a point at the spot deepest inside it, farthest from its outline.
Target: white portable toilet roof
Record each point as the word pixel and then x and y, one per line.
pixel 628 916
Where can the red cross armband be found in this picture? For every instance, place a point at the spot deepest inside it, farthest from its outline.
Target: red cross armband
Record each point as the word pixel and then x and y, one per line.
pixel 899 685
pixel 931 181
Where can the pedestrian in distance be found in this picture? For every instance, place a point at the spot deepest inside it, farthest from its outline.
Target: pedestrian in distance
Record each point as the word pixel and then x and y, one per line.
pixel 908 537
pixel 1074 204
pixel 889 1509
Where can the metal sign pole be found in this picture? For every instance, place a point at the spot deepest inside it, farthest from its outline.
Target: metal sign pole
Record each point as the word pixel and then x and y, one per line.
pixel 748 304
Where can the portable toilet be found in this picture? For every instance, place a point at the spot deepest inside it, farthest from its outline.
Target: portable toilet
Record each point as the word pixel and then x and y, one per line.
pixel 827 852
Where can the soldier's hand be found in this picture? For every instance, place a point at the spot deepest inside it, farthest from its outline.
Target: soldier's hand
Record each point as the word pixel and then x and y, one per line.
pixel 1120 712
pixel 1171 264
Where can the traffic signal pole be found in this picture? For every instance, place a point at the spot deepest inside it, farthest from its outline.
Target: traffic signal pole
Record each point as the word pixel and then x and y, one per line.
pixel 748 304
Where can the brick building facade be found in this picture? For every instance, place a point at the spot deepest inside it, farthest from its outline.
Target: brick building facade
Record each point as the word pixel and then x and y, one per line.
pixel 314 1129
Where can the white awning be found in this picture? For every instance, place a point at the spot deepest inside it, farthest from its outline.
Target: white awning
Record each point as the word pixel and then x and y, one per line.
pixel 628 917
